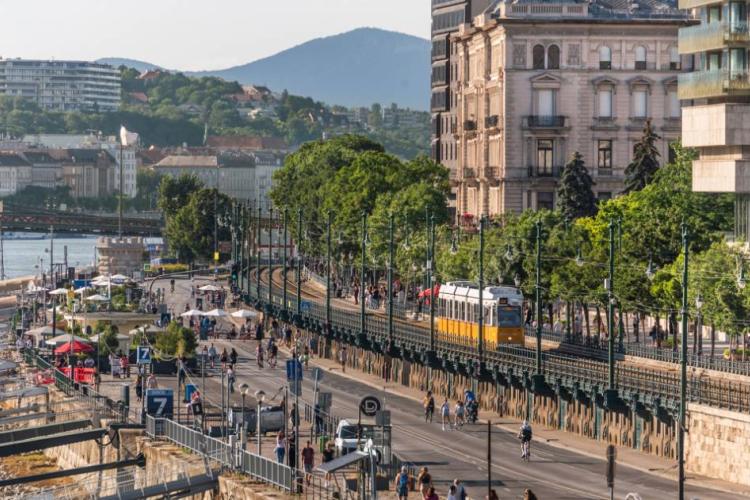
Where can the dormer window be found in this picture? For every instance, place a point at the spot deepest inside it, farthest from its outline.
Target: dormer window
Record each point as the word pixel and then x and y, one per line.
pixel 605 57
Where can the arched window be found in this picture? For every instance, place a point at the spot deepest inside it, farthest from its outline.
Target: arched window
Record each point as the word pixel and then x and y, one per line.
pixel 553 57
pixel 538 57
pixel 640 57
pixel 605 57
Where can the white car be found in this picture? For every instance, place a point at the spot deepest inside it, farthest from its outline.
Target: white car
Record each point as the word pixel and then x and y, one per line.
pixel 347 439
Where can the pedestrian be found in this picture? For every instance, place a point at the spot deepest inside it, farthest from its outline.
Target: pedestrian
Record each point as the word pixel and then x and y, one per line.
pixel 460 490
pixel 445 413
pixel 328 453
pixel 430 494
pixel 181 371
pixel 402 484
pixel 308 460
pixel 527 495
pixel 280 447
pixel 452 493
pixel 424 480
pixel 459 410
pixel 204 357
pixel 233 357
pixel 139 387
pixel 230 379
pixel 429 406
pixel 124 368
pixel 212 355
pixel 343 359
pixel 224 358
pixel 493 495
pixel 151 382
pixel 292 456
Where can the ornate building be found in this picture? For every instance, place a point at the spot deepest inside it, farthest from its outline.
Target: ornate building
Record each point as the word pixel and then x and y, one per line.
pixel 536 81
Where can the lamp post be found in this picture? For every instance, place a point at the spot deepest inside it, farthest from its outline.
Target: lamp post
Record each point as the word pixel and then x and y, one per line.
pixel 538 298
pixel 698 339
pixel 328 272
pixel 244 389
pixel 480 347
pixel 362 326
pixel 257 254
pixel 683 364
pixel 299 262
pixel 611 309
pixel 390 279
pixel 286 240
pixel 430 281
pixel 259 395
pixel 270 256
pixel 241 248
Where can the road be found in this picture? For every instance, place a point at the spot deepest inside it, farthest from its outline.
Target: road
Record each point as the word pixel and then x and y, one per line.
pixel 553 472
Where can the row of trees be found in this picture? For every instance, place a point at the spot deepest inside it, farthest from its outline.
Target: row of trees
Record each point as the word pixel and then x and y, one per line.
pixel 351 175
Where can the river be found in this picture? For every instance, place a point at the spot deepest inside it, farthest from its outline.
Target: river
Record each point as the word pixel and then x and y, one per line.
pixel 22 257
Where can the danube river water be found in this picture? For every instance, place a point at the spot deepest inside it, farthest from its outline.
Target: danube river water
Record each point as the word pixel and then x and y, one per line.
pixel 23 257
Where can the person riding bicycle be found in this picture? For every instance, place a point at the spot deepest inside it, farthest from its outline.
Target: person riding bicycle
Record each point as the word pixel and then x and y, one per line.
pixel 525 436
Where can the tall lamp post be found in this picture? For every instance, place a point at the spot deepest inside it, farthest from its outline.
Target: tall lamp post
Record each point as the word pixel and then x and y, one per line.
pixel 431 281
pixel 362 326
pixel 299 263
pixel 328 272
pixel 270 256
pixel 244 389
pixel 698 340
pixel 683 364
pixel 390 279
pixel 480 347
pixel 286 241
pixel 259 396
pixel 538 298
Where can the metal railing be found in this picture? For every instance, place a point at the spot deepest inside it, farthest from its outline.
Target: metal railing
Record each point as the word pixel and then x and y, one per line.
pixel 256 466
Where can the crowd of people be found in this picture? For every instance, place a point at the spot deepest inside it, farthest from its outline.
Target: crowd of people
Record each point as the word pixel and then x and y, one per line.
pixel 405 482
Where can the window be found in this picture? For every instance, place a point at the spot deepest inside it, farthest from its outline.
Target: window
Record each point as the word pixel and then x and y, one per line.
pixel 545 200
pixel 604 154
pixel 538 57
pixel 714 13
pixel 605 103
pixel 604 196
pixel 737 63
pixel 737 17
pixel 713 61
pixel 553 57
pixel 640 99
pixel 674 58
pixel 544 156
pixel 640 57
pixel 605 57
pixel 545 102
pixel 673 103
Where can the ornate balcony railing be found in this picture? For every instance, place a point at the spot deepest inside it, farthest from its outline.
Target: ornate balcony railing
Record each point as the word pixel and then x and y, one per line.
pixel 541 121
pixel 491 121
pixel 553 171
pixel 470 125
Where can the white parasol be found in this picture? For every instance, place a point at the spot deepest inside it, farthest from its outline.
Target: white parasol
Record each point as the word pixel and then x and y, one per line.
pixel 244 313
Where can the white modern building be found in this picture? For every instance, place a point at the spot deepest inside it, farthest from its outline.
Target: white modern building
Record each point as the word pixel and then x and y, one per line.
pixel 94 141
pixel 62 85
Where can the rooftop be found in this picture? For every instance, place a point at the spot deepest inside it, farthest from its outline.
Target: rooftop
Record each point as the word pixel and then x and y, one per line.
pixel 594 9
pixel 188 161
pixel 245 142
pixel 12 160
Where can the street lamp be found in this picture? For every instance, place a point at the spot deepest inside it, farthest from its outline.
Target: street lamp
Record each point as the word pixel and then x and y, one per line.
pixel 259 396
pixel 244 389
pixel 698 340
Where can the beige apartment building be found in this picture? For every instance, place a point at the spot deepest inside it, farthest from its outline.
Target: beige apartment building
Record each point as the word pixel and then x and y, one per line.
pixel 535 81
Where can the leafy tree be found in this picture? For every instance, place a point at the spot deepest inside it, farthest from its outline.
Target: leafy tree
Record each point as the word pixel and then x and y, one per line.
pixel 147 190
pixel 174 193
pixel 108 342
pixel 176 341
pixel 640 172
pixel 575 195
pixel 190 231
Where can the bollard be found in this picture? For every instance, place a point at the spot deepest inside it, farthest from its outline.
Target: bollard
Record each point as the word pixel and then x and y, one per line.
pixel 125 400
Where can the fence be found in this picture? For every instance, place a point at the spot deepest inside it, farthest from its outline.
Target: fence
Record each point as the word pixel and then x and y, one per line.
pixel 256 466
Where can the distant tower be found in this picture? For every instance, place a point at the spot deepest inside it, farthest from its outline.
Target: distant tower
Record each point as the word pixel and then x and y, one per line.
pixel 716 101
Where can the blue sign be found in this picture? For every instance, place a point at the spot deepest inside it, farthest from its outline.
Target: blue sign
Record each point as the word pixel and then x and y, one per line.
pixel 160 403
pixel 304 306
pixel 293 369
pixel 189 390
pixel 144 355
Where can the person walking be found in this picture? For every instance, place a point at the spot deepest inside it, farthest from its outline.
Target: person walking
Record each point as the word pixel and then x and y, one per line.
pixel 429 406
pixel 424 480
pixel 233 356
pixel 212 355
pixel 460 490
pixel 402 484
pixel 151 382
pixel 224 358
pixel 139 387
pixel 230 379
pixel 430 494
pixel 280 447
pixel 459 410
pixel 308 460
pixel 445 413
pixel 328 454
pixel 452 493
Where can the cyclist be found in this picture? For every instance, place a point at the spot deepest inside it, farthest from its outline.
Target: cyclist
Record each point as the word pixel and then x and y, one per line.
pixel 525 436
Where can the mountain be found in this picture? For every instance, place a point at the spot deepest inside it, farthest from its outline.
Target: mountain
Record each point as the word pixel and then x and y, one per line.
pixel 356 68
pixel 130 63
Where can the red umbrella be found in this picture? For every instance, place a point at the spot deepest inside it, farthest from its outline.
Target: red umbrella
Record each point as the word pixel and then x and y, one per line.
pixel 78 346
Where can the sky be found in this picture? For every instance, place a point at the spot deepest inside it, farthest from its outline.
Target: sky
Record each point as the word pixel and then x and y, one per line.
pixel 191 34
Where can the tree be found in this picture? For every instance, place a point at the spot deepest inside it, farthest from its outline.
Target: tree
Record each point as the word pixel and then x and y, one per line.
pixel 175 192
pixel 575 195
pixel 108 342
pixel 190 232
pixel 176 341
pixel 640 172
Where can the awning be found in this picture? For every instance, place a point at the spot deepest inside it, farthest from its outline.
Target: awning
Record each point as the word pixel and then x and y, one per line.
pixel 342 462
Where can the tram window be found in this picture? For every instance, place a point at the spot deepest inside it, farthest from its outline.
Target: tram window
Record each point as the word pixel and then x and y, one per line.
pixel 509 316
pixel 461 311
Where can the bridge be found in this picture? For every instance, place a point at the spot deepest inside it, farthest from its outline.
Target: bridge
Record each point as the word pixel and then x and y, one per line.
pixel 19 218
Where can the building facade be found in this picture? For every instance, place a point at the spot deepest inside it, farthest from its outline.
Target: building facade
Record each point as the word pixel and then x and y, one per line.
pixel 536 81
pixel 15 173
pixel 716 98
pixel 62 85
pixel 89 173
pixel 46 171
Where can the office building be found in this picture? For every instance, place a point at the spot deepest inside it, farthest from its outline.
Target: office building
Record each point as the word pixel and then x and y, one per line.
pixel 62 85
pixel 534 81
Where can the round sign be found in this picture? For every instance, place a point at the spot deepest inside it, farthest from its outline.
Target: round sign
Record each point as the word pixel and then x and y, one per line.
pixel 369 406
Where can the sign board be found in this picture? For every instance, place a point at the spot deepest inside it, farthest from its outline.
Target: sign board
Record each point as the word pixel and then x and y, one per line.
pixel 295 387
pixel 383 418
pixel 216 256
pixel 370 405
pixel 325 400
pixel 293 369
pixel 304 306
pixel 143 356
pixel 146 268
pixel 160 403
pixel 189 390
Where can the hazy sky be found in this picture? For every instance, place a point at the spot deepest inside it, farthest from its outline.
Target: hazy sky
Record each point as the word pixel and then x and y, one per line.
pixel 191 34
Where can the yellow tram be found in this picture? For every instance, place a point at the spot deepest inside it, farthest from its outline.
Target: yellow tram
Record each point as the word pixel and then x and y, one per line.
pixel 458 313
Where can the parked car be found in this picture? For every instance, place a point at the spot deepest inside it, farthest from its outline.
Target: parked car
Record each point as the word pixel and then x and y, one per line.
pixel 271 418
pixel 346 436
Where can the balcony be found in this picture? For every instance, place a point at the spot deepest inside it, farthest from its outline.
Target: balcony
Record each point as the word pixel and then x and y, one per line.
pixel 469 173
pixel 605 123
pixel 470 126
pixel 492 121
pixel 544 122
pixel 492 175
pixel 545 172
pixel 712 36
pixel 714 83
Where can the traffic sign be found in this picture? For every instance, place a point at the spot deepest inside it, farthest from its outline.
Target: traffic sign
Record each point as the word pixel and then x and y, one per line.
pixel 304 306
pixel 370 405
pixel 146 268
pixel 293 369
pixel 144 355
pixel 160 403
